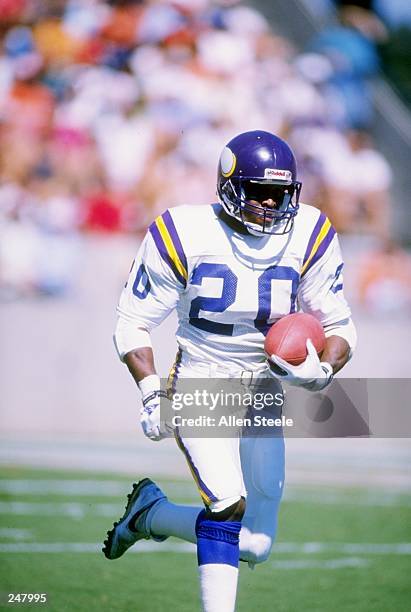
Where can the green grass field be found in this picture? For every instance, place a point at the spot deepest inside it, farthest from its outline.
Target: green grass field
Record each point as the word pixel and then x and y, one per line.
pixel 339 550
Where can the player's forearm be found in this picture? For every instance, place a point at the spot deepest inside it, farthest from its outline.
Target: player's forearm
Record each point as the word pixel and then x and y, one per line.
pixel 133 345
pixel 336 352
pixel 341 340
pixel 140 363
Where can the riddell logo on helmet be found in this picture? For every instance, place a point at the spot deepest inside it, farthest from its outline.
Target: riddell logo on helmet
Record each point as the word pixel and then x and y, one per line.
pixel 272 173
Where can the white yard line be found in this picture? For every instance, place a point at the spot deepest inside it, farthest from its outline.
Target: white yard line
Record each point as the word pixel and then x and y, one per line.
pixel 76 510
pixel 301 548
pixel 113 488
pixel 365 498
pixel 328 564
pixel 73 510
pixel 63 487
pixel 8 533
pixel 80 547
pixel 89 487
pixel 312 548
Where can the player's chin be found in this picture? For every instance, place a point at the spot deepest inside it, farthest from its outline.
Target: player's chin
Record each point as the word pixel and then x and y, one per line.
pixel 258 221
pixel 255 219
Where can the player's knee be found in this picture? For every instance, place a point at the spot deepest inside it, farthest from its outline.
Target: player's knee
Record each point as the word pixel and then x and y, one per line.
pixel 226 510
pixel 259 548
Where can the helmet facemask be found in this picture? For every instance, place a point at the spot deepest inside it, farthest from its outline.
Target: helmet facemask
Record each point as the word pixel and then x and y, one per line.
pixel 242 199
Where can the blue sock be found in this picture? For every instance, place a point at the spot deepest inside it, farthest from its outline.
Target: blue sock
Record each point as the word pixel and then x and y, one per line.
pixel 217 554
pixel 217 541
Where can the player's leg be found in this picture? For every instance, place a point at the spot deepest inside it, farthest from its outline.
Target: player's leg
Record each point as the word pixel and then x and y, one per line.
pixel 218 556
pixel 216 468
pixel 263 471
pixel 169 519
pixel 262 460
pixel 154 516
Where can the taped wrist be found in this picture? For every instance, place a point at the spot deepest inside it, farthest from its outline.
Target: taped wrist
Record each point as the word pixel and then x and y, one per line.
pixel 151 396
pixel 328 369
pixel 149 384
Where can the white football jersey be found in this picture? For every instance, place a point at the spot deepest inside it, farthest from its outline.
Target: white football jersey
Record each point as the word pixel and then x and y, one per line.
pixel 229 287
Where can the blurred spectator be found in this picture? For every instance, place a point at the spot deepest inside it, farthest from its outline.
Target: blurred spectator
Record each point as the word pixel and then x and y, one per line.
pixel 345 176
pixel 384 280
pixel 357 180
pixel 395 54
pixel 12 10
pixel 387 23
pixel 350 46
pixel 38 250
pixel 395 13
pixel 111 111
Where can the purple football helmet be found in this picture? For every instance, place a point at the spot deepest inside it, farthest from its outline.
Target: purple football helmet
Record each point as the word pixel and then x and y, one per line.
pixel 257 182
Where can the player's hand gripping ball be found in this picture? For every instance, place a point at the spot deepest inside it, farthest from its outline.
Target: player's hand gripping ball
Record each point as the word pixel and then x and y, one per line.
pixel 287 338
pixel 293 345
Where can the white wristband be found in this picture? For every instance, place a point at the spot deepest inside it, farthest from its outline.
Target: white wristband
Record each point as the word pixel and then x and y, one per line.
pixel 329 372
pixel 149 384
pixel 328 369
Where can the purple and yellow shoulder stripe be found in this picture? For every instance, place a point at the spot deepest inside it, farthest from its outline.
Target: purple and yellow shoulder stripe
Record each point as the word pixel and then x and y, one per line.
pixel 169 245
pixel 320 239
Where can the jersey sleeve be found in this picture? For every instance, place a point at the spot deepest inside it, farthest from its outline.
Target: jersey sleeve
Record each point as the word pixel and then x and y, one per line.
pixel 321 288
pixel 156 280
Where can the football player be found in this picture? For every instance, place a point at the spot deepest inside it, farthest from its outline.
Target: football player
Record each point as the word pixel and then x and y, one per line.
pixel 230 269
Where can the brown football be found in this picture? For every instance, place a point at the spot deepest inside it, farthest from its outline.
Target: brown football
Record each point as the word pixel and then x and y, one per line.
pixel 287 337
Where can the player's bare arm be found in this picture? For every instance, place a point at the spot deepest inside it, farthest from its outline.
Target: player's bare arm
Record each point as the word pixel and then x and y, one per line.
pixel 336 352
pixel 140 363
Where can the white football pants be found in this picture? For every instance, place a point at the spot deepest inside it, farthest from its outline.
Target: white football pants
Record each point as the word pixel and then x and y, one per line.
pixel 225 469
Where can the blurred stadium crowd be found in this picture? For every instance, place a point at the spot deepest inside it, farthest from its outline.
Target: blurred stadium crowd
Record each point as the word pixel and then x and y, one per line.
pixel 111 112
